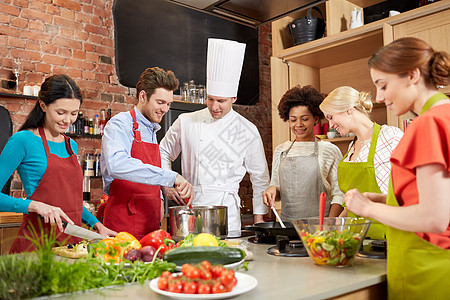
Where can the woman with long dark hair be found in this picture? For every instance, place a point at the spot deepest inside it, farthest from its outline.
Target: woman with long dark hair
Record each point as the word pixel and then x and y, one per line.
pixel 407 74
pixel 46 162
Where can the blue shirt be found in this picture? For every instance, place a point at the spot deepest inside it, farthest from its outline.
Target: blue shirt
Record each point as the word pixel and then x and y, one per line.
pixel 25 152
pixel 116 161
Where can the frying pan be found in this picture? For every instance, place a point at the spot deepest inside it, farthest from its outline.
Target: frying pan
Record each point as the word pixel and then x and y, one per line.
pixel 266 232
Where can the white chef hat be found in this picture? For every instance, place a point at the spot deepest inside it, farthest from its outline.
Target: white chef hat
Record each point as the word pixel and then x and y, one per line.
pixel 224 65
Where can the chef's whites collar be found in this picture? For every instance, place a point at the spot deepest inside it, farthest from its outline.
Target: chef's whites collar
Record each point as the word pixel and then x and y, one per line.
pixel 224 65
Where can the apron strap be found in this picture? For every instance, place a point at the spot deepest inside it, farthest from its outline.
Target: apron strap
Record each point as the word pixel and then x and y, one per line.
pixel 68 148
pixel 44 140
pixel 435 98
pixel 136 132
pixel 373 143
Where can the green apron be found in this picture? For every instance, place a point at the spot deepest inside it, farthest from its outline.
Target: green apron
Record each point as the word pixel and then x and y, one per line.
pixel 361 176
pixel 416 269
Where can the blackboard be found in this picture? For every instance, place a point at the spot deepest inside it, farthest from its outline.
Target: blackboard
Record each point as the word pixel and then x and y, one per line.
pixel 152 33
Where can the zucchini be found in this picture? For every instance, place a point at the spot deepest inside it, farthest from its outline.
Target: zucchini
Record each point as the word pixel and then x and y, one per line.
pixel 194 255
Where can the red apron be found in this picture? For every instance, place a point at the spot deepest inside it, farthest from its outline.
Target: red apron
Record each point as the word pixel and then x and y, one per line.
pixel 61 186
pixel 135 207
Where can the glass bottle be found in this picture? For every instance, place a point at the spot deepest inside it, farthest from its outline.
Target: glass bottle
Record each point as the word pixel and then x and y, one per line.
pixel 86 125
pixel 96 129
pixel 192 91
pixel 108 115
pixel 79 127
pixel 102 121
pixel 91 126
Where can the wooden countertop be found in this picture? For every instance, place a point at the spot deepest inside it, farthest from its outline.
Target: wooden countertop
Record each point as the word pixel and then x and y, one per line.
pixel 9 217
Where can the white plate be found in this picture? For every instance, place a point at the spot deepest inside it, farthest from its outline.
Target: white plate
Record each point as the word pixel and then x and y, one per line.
pixel 244 284
pixel 228 266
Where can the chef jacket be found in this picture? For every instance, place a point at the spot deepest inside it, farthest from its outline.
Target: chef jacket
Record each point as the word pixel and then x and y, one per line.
pixel 116 161
pixel 217 153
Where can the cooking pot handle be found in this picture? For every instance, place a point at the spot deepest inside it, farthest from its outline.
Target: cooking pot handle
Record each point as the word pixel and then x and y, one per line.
pixel 309 12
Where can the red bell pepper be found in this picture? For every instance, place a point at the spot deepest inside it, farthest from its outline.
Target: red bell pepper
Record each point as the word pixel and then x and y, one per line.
pixel 158 239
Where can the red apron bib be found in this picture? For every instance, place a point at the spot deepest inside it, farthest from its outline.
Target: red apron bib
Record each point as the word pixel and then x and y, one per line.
pixel 135 207
pixel 61 186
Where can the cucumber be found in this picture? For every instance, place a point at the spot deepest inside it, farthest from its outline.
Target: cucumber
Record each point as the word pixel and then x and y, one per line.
pixel 194 255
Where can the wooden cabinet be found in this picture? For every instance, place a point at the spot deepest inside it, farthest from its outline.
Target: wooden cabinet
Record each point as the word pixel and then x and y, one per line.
pixel 341 57
pixel 9 227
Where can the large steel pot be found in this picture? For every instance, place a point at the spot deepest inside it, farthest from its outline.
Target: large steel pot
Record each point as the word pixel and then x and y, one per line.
pixel 211 219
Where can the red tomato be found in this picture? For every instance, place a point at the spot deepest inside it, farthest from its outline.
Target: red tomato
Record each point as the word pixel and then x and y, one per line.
pixel 205 274
pixel 190 287
pixel 166 274
pixel 193 273
pixel 226 277
pixel 218 288
pixel 216 271
pixel 177 287
pixel 163 283
pixel 204 288
pixel 234 282
pixel 206 265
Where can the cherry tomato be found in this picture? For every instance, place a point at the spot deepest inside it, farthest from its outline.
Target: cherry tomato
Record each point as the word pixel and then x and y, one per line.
pixel 193 273
pixel 218 288
pixel 163 283
pixel 226 277
pixel 205 274
pixel 166 274
pixel 216 271
pixel 177 287
pixel 184 268
pixel 204 288
pixel 234 282
pixel 190 287
pixel 206 265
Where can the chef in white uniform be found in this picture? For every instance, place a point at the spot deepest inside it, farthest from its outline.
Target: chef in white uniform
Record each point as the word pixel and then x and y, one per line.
pixel 218 145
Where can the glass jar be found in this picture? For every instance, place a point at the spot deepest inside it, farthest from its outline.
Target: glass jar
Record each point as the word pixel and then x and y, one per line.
pixel 192 91
pixel 184 92
pixel 201 94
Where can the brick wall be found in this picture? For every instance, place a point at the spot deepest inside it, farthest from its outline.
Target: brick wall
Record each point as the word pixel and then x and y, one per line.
pixel 77 38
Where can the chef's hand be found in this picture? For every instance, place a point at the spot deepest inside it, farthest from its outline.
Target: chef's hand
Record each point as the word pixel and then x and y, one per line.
pixel 269 196
pixel 380 198
pixel 357 203
pixel 103 230
pixel 51 214
pixel 172 194
pixel 183 188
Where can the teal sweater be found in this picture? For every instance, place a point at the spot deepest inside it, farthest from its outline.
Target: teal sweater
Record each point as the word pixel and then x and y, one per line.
pixel 25 152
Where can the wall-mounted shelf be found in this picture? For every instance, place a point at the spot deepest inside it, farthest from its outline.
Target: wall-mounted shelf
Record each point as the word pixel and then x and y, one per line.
pixel 8 95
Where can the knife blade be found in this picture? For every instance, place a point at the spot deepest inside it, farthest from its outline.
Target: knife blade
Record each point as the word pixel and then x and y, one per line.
pixel 81 232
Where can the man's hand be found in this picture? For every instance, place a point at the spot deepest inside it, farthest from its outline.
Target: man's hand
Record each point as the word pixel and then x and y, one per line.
pixel 172 194
pixel 184 189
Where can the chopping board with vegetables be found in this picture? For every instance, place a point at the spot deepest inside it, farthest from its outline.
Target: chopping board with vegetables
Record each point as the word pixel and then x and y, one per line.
pixel 72 251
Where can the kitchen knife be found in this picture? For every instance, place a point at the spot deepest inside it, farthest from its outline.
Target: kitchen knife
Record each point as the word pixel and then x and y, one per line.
pixel 81 232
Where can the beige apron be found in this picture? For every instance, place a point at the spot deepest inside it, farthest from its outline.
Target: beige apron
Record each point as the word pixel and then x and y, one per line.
pixel 300 185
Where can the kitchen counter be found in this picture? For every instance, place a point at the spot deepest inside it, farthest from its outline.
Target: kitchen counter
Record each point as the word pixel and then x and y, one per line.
pixel 283 278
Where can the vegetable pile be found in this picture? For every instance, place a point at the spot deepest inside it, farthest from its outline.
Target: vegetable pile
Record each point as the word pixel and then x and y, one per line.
pixel 199 279
pixel 38 274
pixel 331 248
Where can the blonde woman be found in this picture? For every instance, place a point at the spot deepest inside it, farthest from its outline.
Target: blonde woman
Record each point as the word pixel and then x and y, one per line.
pixel 366 165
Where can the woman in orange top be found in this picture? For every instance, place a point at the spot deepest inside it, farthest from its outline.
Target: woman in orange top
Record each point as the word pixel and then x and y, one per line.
pixel 407 74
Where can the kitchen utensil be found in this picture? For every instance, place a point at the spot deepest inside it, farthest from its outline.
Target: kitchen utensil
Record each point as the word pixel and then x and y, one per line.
pixel 266 232
pixel 336 242
pixel 278 217
pixel 322 204
pixel 81 232
pixel 184 220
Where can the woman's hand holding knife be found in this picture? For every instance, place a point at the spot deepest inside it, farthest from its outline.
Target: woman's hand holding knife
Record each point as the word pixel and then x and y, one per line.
pixel 51 214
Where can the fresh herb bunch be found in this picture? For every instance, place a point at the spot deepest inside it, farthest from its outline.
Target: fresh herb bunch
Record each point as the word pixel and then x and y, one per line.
pixel 39 274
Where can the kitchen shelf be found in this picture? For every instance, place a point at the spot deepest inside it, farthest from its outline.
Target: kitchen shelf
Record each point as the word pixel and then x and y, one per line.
pixel 12 95
pixel 92 136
